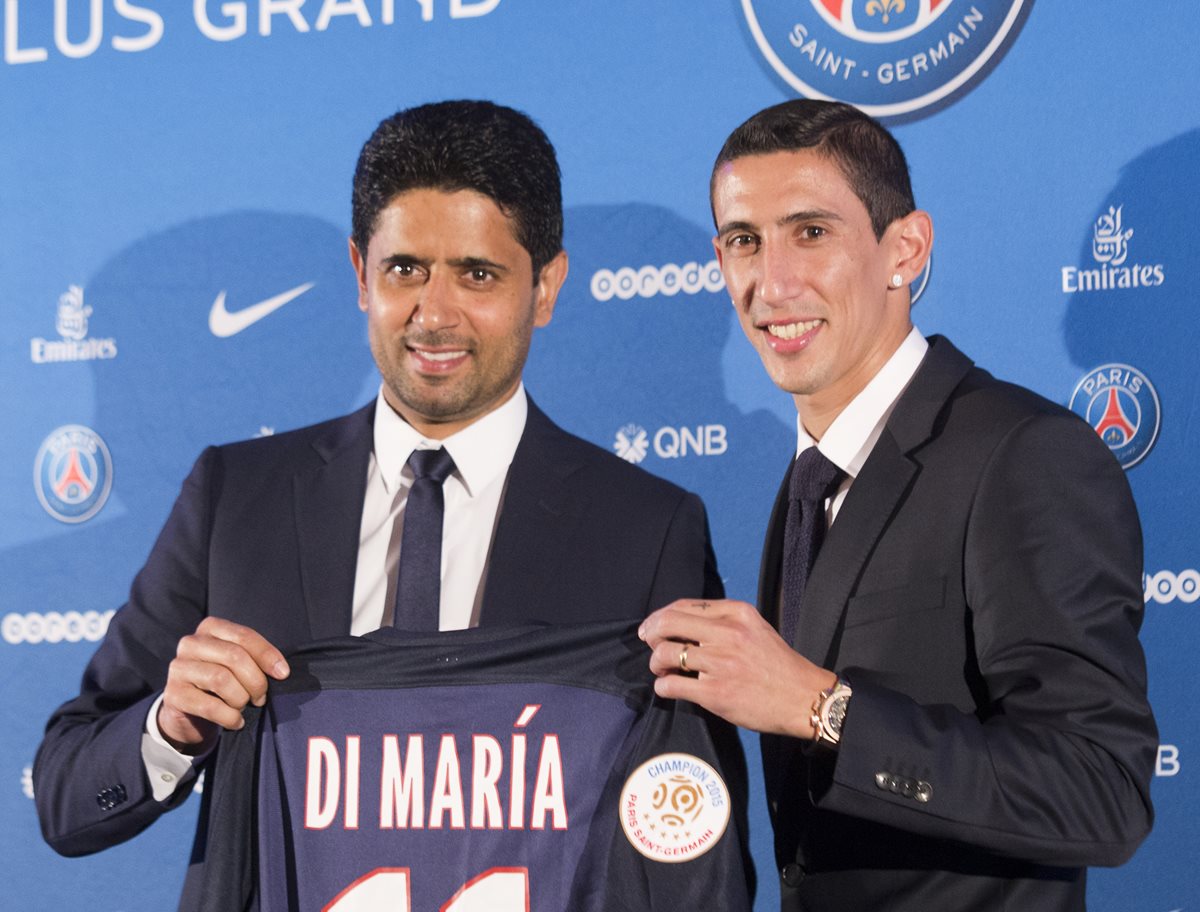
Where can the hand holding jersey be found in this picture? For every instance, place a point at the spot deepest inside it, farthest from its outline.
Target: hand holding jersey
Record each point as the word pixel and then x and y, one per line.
pixel 738 666
pixel 217 671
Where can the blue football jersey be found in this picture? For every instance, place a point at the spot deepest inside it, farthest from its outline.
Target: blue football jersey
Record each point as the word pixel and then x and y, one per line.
pixel 516 769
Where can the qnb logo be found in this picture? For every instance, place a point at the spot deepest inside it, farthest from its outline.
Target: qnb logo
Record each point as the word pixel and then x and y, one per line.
pixel 633 442
pixel 650 281
pixel 1120 402
pixel 1110 250
pixel 1168 761
pixel 1165 587
pixel 53 627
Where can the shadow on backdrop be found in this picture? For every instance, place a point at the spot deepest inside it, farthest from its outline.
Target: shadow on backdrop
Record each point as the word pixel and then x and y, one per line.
pixel 642 375
pixel 175 387
pixel 1133 301
pixel 1144 226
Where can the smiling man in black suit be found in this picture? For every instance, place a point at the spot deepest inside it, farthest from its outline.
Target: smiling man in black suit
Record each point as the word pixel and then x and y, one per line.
pixel 950 687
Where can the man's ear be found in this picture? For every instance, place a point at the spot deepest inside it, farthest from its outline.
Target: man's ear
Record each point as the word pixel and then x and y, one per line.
pixel 360 273
pixel 549 283
pixel 911 241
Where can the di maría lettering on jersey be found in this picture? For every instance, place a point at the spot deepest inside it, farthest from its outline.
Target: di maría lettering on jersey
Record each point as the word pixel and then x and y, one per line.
pixel 413 795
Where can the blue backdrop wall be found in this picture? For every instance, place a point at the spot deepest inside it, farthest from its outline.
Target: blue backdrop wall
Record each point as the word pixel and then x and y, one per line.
pixel 158 154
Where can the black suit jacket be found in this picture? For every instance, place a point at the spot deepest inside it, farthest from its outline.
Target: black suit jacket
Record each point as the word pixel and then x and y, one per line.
pixel 981 591
pixel 265 533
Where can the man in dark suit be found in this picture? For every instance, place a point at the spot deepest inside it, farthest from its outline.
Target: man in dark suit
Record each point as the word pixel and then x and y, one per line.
pixel 955 716
pixel 457 248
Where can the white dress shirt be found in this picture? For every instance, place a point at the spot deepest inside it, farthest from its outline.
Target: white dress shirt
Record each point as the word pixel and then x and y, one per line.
pixel 482 453
pixel 849 440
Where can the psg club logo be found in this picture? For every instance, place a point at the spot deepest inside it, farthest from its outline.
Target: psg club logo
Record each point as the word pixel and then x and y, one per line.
pixel 887 57
pixel 72 473
pixel 674 808
pixel 1122 405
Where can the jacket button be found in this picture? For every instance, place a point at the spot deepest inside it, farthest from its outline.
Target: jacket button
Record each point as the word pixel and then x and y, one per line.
pixel 792 874
pixel 109 798
pixel 924 791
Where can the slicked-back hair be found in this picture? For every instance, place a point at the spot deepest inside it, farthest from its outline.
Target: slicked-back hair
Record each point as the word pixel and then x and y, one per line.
pixel 464 145
pixel 867 154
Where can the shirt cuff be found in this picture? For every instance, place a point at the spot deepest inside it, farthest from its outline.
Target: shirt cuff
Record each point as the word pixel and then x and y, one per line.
pixel 165 766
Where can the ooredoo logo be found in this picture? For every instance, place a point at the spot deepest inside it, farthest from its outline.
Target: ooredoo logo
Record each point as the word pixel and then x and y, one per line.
pixel 55 627
pixel 648 281
pixel 1120 402
pixel 72 473
pixel 887 57
pixel 1167 586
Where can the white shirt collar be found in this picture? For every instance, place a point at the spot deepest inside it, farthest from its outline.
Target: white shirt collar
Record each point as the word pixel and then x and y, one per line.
pixel 482 451
pixel 849 440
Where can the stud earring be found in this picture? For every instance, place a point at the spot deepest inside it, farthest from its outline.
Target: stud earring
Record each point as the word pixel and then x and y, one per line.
pixel 897 280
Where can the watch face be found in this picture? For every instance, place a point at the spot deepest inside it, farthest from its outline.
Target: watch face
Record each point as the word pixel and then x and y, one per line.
pixel 837 714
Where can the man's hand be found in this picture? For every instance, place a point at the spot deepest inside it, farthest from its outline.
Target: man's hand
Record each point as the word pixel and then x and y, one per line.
pixel 745 672
pixel 216 671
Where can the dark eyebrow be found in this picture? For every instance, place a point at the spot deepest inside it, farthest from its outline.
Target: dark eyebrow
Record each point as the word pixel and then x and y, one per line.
pixel 407 259
pixel 804 215
pixel 735 226
pixel 807 215
pixel 478 263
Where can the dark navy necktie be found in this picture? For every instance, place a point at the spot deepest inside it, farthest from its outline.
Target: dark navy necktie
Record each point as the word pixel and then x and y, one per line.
pixel 814 478
pixel 419 581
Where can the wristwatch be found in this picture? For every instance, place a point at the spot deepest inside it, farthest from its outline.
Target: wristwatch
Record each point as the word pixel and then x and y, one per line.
pixel 829 714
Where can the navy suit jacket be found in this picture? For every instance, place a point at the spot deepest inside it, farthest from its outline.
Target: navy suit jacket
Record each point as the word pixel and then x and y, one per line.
pixel 265 533
pixel 981 591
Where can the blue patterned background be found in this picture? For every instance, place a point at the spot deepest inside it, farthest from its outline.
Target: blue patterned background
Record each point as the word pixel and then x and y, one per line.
pixel 157 153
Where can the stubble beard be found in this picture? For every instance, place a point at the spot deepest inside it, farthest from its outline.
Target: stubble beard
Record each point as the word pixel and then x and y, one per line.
pixel 467 395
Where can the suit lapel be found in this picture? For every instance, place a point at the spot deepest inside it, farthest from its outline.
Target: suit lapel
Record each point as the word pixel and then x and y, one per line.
pixel 329 501
pixel 872 500
pixel 537 518
pixel 848 544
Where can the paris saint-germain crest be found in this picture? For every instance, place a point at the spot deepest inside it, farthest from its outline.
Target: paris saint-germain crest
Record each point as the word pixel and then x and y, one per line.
pixel 887 57
pixel 1122 405
pixel 72 473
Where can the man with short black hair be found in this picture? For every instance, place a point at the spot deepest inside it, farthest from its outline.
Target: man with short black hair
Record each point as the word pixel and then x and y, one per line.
pixel 279 541
pixel 944 660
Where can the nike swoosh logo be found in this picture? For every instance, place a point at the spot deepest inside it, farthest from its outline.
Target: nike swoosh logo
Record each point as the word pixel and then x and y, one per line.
pixel 225 324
